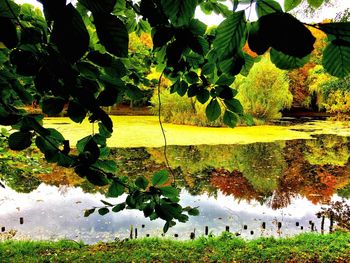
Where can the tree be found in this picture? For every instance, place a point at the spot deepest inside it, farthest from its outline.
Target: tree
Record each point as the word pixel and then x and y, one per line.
pixel 78 56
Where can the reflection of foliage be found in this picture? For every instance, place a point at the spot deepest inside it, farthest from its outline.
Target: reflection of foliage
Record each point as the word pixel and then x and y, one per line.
pixel 327 149
pixel 345 191
pixel 339 211
pixel 262 164
pixel 18 170
pixel 234 183
pixel 264 92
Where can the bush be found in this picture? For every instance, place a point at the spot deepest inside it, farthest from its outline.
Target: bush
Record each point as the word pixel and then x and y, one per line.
pixel 265 91
pixel 181 110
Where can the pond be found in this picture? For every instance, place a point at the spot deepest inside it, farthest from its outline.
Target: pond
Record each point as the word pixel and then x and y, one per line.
pixel 256 189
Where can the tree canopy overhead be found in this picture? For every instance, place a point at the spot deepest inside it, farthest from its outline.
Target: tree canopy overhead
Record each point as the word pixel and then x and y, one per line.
pixel 78 56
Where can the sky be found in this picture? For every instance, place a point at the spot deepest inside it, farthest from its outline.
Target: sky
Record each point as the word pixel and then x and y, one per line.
pixel 213 19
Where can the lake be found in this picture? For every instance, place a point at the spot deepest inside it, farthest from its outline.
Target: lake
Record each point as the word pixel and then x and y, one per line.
pixel 260 188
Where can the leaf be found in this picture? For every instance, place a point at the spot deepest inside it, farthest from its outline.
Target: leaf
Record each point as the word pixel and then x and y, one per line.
pixel 225 79
pixel 291 4
pixel 315 3
pixel 119 207
pixel 92 175
pixel 182 88
pixel 148 210
pixel 191 77
pixel 224 92
pixel 283 61
pixel 266 7
pixel 112 33
pixel 286 34
pixel 106 203
pixel 180 12
pixel 256 40
pixel 248 64
pixel 76 112
pixel 141 182
pixel 70 34
pixel 116 189
pixel 109 96
pixel 8 33
pixel 340 30
pixel 160 177
pixel 230 119
pixel 103 131
pixel 20 140
pixel 108 166
pixel 100 6
pixel 89 212
pixel 133 92
pixel 336 58
pixel 234 105
pixel 193 212
pixel 213 110
pixel 103 211
pixel 230 35
pixel 53 106
pixel 233 65
pixel 169 191
pixel 203 95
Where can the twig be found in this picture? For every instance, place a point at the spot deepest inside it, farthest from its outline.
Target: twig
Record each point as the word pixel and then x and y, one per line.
pixel 163 132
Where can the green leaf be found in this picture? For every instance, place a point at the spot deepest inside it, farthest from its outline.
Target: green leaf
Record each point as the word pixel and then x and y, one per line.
pixel 213 110
pixel 291 4
pixel 208 69
pixel 20 140
pixel 106 203
pixel 197 27
pixel 315 3
pixel 169 191
pixel 160 177
pixel 53 106
pixel 283 61
pixel 119 207
pixel 191 77
pixel 103 131
pixel 266 7
pixel 225 79
pixel 133 92
pixel 232 65
pixel 148 210
pixel 102 211
pixel 230 119
pixel 336 58
pixel 141 182
pixel 8 33
pixel 108 166
pixel 249 62
pixel 112 33
pixel 193 212
pixel 116 189
pixel 100 6
pixel 256 40
pixel 203 95
pixel 70 26
pixel 339 30
pixel 230 35
pixel 297 41
pixel 82 142
pixel 76 112
pixel 182 88
pixel 180 12
pixel 89 212
pixel 234 105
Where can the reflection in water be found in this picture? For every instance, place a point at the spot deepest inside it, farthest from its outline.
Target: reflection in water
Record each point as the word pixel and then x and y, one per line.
pixel 233 185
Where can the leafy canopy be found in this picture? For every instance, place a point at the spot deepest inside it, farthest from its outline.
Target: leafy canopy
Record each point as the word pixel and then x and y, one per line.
pixel 77 57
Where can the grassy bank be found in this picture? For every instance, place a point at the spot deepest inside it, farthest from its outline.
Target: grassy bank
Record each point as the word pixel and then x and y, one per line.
pixel 225 248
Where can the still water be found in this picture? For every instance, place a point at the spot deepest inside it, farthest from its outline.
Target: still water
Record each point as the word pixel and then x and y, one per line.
pixel 235 186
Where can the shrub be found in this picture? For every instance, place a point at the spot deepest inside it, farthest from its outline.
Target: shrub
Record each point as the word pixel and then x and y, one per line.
pixel 265 91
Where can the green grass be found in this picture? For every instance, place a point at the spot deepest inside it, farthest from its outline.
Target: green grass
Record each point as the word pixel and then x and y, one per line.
pixel 225 248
